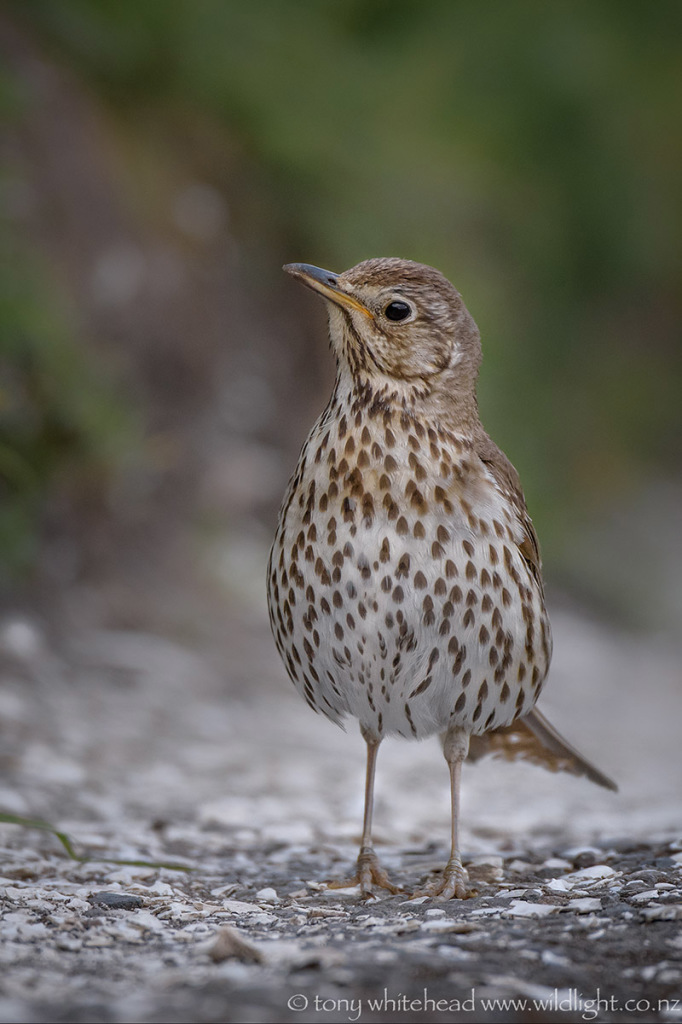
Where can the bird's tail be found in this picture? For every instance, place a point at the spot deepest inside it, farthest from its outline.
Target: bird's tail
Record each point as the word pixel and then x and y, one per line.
pixel 533 739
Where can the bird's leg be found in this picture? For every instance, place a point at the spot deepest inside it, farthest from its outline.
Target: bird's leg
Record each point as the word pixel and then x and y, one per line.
pixel 453 881
pixel 369 870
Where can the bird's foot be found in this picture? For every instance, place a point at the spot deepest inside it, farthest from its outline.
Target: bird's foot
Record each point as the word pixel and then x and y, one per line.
pixel 369 872
pixel 452 884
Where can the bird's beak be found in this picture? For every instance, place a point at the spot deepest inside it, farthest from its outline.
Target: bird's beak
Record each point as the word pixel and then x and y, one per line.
pixel 326 283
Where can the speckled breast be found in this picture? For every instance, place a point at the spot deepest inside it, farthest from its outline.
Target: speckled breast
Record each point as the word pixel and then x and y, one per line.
pixel 397 590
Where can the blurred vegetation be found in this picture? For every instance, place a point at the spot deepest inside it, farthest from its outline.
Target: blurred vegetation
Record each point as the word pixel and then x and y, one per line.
pixel 530 150
pixel 58 417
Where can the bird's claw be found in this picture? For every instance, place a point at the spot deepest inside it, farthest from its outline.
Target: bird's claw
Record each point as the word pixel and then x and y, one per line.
pixel 368 874
pixel 452 884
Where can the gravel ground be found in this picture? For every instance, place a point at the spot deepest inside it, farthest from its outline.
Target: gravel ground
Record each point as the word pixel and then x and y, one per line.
pixel 142 749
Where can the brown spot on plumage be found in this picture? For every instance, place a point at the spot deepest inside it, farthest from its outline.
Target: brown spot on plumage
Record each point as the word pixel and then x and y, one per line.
pixel 417 467
pixel 442 534
pixel 403 567
pixel 459 661
pixel 424 685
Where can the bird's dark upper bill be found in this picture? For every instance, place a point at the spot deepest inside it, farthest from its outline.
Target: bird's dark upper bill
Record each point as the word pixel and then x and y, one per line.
pixel 326 283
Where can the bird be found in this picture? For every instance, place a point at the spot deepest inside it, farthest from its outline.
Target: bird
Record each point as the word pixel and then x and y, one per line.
pixel 404 581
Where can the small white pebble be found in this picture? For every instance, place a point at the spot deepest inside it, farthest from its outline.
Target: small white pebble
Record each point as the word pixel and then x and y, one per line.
pixel 370 922
pixel 351 890
pixel 577 851
pixel 521 908
pixel 436 912
pixel 554 960
pixel 442 925
pixel 14 894
pixel 596 871
pixel 584 906
pixel 267 895
pixel 224 890
pixel 454 953
pixel 240 907
pixel 78 904
pixel 262 918
pixel 644 897
pixel 557 864
pixel 519 866
pixel 558 885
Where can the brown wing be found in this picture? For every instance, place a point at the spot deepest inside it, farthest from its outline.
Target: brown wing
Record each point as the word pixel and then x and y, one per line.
pixel 533 739
pixel 508 481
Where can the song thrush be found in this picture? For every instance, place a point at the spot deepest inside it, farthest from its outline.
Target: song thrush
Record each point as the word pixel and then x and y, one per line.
pixel 404 581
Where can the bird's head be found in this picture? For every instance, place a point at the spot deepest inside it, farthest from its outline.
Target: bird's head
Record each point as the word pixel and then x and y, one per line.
pixel 401 325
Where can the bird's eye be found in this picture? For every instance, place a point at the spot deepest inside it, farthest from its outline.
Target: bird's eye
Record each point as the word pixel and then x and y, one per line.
pixel 397 311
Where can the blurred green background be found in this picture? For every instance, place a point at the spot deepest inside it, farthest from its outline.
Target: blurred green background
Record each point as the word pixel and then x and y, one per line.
pixel 157 374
